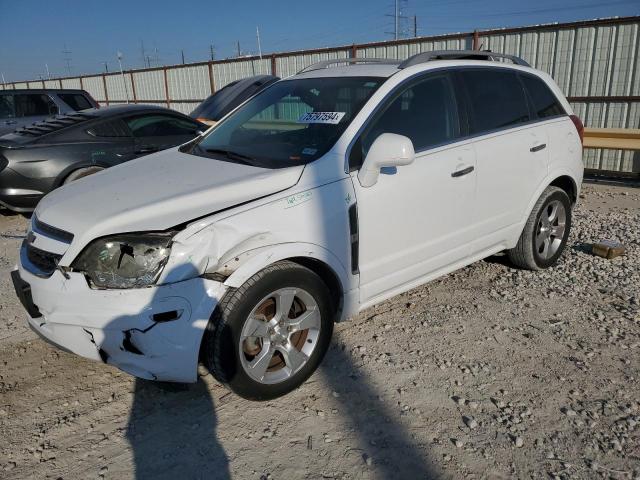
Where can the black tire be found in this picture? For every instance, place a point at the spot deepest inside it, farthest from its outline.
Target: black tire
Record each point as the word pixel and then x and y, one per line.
pixel 525 255
pixel 81 172
pixel 220 350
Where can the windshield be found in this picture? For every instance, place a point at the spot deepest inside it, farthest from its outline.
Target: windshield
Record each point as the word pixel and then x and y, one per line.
pixel 293 122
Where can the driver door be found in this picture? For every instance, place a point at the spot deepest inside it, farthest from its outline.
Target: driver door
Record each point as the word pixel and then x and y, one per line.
pixel 415 221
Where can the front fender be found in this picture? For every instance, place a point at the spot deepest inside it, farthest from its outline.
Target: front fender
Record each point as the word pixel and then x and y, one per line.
pixel 265 256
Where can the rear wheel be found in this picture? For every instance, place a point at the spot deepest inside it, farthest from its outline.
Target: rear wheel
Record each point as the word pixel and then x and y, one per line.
pixel 545 234
pixel 81 172
pixel 268 336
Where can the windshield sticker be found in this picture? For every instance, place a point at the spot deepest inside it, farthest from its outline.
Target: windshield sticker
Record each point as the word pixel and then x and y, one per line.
pixel 332 118
pixel 309 151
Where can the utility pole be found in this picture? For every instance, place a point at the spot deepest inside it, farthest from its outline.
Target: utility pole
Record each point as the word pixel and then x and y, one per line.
pixel 259 47
pixel 182 52
pixel 106 67
pixel 124 83
pixel 67 58
pixel 415 26
pixel 46 66
pixel 3 80
pixel 396 13
pixel 212 51
pixel 238 43
pixel 142 53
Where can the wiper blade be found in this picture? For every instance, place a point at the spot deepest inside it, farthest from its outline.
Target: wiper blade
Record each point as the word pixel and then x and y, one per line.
pixel 246 159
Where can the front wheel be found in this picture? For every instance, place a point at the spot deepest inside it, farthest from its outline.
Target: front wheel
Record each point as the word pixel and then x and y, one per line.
pixel 545 234
pixel 268 336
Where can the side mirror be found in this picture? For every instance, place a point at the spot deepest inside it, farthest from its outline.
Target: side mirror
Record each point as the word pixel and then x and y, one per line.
pixel 388 150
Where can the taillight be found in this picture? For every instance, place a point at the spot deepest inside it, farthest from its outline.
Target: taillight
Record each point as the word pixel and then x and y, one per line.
pixel 579 126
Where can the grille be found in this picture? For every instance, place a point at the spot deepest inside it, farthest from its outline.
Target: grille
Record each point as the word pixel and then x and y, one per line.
pixel 41 263
pixel 52 232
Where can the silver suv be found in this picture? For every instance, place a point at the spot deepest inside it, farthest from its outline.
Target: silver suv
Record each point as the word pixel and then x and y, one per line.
pixel 19 108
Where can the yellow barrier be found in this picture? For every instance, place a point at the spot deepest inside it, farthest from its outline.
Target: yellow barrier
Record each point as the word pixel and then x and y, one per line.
pixel 616 138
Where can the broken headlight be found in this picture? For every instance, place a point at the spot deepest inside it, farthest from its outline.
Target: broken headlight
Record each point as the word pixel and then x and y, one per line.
pixel 124 261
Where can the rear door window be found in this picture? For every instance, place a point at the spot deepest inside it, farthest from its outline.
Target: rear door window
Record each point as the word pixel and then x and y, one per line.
pixel 160 126
pixel 6 106
pixel 545 103
pixel 496 98
pixel 34 105
pixel 77 101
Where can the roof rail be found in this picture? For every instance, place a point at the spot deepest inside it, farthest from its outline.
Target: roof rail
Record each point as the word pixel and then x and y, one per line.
pixel 328 63
pixel 460 55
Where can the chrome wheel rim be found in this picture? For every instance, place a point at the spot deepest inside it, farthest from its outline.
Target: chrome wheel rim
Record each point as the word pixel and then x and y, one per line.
pixel 550 229
pixel 279 335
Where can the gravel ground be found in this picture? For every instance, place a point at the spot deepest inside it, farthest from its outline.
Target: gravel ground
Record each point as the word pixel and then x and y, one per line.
pixel 490 372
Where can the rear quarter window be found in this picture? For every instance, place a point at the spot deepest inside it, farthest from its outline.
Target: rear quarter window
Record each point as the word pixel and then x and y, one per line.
pixel 76 101
pixel 545 103
pixel 109 129
pixel 497 99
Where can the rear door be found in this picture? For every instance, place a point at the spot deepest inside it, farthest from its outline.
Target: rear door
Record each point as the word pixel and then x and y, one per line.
pixel 8 120
pixel 511 153
pixel 33 107
pixel 158 131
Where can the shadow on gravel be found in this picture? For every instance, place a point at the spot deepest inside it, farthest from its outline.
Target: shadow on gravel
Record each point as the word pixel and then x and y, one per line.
pixel 172 432
pixel 389 446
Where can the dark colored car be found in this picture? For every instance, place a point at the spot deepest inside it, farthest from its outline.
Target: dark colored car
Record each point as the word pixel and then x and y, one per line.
pixel 39 158
pixel 216 106
pixel 19 108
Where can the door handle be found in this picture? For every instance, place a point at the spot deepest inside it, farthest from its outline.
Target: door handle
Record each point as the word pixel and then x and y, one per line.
pixel 537 148
pixel 464 171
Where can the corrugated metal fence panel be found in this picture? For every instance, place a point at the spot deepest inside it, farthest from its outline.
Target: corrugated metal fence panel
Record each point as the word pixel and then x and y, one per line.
pixel 189 83
pixel 94 86
pixel 149 85
pixel 71 83
pixel 626 62
pixel 20 85
pixel 403 51
pixel 225 73
pixel 182 107
pixel 610 115
pixel 119 88
pixel 50 84
pixel 292 64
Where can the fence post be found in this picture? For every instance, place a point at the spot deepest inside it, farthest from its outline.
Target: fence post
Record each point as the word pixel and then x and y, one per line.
pixel 133 88
pixel 106 93
pixel 273 65
pixel 81 84
pixel 476 40
pixel 166 87
pixel 354 51
pixel 43 86
pixel 212 84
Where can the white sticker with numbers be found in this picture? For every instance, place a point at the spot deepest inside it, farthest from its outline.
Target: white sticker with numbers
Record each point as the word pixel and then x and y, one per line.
pixel 332 118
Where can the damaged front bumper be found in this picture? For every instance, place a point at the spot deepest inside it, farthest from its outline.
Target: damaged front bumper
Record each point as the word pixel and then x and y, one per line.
pixel 152 333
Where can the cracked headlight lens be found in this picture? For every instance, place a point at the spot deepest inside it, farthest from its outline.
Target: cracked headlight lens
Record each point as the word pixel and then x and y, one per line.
pixel 124 261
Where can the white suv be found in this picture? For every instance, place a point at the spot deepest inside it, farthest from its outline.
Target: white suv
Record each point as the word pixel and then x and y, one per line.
pixel 324 194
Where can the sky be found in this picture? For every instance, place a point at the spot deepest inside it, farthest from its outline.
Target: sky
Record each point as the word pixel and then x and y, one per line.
pixel 77 37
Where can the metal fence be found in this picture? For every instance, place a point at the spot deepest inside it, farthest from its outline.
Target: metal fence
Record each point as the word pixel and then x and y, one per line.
pixel 594 62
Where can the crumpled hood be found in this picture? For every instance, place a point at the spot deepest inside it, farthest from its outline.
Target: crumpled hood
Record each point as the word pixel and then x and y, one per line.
pixel 157 192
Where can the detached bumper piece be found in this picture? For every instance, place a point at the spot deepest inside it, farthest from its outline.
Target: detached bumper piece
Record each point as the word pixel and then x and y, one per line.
pixel 23 291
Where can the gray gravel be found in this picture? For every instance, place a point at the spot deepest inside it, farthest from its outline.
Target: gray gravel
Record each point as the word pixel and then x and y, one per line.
pixel 490 372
